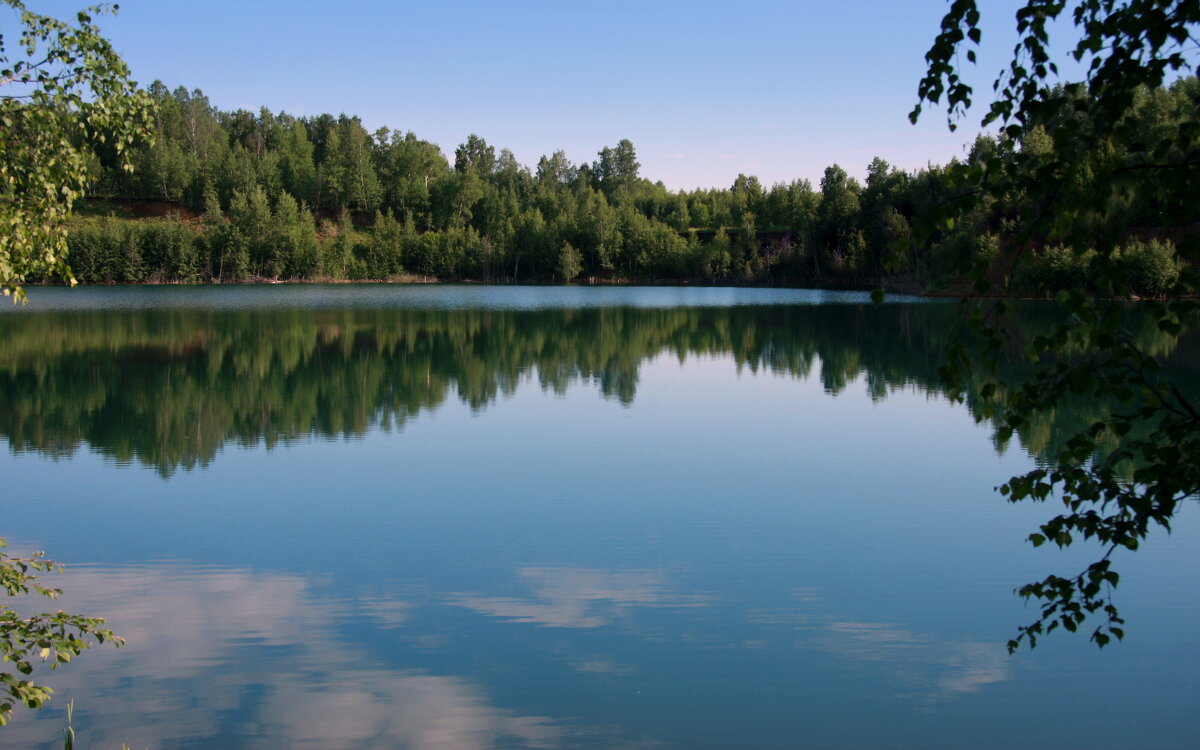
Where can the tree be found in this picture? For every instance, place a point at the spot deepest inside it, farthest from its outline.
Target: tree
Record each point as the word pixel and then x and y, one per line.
pixel 570 262
pixel 360 187
pixel 617 169
pixel 838 211
pixel 63 90
pixel 296 166
pixel 555 170
pixel 1130 49
pixel 883 222
pixel 475 156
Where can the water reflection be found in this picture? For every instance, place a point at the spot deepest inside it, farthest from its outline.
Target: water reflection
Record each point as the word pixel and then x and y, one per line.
pixel 169 388
pixel 576 598
pixel 935 670
pixel 250 659
pixel 373 709
pixel 241 658
pixel 734 560
pixel 922 667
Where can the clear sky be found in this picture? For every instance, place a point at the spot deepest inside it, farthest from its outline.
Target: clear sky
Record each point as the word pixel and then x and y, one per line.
pixel 705 90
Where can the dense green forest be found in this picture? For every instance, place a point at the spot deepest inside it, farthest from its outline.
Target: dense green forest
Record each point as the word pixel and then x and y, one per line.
pixel 170 388
pixel 236 196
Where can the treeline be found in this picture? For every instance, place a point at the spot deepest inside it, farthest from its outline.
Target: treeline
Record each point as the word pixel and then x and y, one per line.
pixel 271 196
pixel 170 388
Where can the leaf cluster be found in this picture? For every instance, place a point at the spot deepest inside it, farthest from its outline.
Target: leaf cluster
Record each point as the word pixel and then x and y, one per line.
pixel 50 637
pixel 62 89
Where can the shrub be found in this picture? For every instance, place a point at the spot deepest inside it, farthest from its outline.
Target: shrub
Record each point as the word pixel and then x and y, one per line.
pixel 1151 269
pixel 1053 269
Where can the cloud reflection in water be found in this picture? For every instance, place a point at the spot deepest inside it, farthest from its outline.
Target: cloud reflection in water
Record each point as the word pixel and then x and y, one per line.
pixel 931 668
pixel 579 597
pixel 926 667
pixel 215 653
pixel 235 658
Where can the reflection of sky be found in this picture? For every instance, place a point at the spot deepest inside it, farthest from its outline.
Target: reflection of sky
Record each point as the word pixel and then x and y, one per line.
pixel 249 658
pixel 214 652
pixel 738 556
pixel 574 598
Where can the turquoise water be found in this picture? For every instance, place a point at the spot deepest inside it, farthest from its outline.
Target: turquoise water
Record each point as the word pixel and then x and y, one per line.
pixel 476 517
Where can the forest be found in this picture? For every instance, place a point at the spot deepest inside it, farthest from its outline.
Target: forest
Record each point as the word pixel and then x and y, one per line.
pixel 219 196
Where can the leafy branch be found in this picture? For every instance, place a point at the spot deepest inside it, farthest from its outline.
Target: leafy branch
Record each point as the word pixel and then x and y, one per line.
pixel 1113 497
pixel 81 96
pixel 53 637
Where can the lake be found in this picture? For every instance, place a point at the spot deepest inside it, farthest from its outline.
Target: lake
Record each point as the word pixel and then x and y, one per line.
pixel 552 517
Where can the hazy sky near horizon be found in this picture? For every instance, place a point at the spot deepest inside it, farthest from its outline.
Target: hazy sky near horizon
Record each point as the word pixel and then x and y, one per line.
pixel 704 90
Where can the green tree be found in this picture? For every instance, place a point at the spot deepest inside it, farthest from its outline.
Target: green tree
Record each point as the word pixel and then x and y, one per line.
pixel 293 240
pixel 475 156
pixel 337 252
pixel 556 170
pixel 617 170
pixel 747 195
pixel 386 247
pixel 746 255
pixel 234 237
pixel 298 173
pixel 1112 497
pixel 163 166
pixel 716 262
pixel 214 234
pixel 570 262
pixel 360 187
pixel 331 173
pixel 63 90
pixel 838 211
pixel 456 195
pixel 882 217
pixel 407 167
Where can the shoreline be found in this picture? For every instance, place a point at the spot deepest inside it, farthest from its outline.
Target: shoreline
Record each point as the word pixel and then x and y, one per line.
pixel 415 280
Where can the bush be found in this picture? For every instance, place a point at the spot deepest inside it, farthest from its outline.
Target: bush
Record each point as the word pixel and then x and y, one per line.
pixel 169 249
pixel 1053 269
pixel 955 253
pixel 91 249
pixel 1151 269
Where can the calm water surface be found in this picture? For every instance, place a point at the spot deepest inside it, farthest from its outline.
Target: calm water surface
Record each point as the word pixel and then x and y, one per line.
pixel 480 517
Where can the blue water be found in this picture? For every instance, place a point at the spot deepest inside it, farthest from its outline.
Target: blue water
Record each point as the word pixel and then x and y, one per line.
pixel 431 297
pixel 754 534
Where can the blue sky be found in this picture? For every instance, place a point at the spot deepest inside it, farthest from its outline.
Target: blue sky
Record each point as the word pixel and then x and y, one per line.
pixel 705 90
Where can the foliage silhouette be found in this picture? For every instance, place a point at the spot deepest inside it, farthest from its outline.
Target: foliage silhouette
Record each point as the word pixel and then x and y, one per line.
pixel 1086 159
